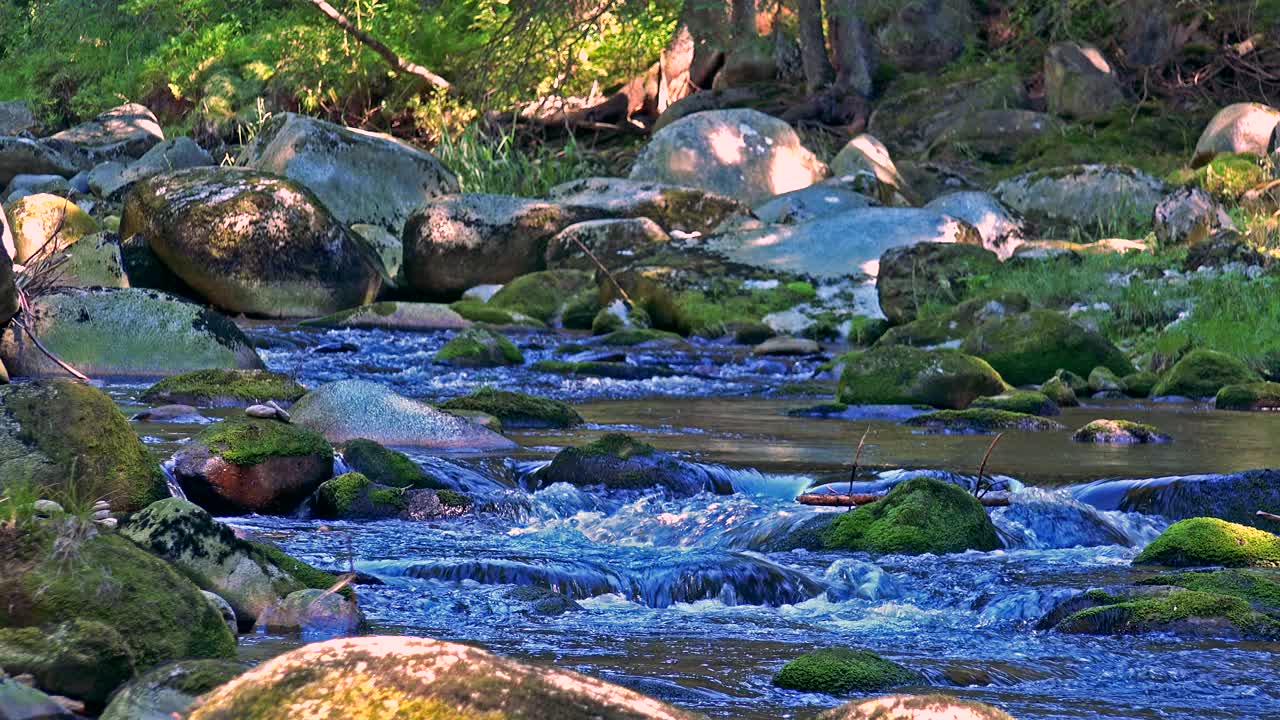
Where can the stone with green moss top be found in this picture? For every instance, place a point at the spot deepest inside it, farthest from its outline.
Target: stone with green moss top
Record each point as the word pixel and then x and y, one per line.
pixel 901 375
pixel 1026 348
pixel 929 274
pixel 957 322
pixel 69 438
pixel 1103 380
pixel 159 613
pixel 482 312
pixel 1139 384
pixel 920 515
pixel 1028 402
pixel 355 496
pixel 1259 587
pixel 542 295
pixel 914 707
pixel 1202 541
pixel 1258 396
pixel 1119 432
pixel 385 466
pixel 358 678
pixel 479 347
pixel 602 368
pixel 1202 373
pixel 394 315
pixel 841 671
pixel 1090 196
pixel 1059 392
pixel 169 689
pixel 631 337
pixel 81 659
pixel 1184 612
pixel 225 388
pixel 1227 176
pixel 517 410
pixel 982 420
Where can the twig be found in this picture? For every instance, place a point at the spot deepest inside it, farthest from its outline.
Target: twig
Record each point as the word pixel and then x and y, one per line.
pixel 625 297
pixel 379 47
pixel 978 489
pixel 853 473
pixel 40 346
pixel 1268 516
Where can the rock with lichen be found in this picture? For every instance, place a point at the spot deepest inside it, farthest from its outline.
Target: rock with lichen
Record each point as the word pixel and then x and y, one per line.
pixel 170 689
pixel 1119 432
pixel 841 671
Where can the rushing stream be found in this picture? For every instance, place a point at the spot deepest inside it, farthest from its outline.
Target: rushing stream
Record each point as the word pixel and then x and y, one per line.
pixel 680 598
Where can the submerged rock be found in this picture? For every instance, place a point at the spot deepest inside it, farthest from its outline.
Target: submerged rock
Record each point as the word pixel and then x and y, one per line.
pixel 393 315
pixel 901 375
pixel 1235 497
pixel 517 410
pixel 478 347
pixel 1202 373
pixel 1208 542
pixel 915 707
pixel 225 388
pixel 169 690
pixel 920 515
pixel 619 462
pixel 313 613
pixel 1027 348
pixel 841 671
pixel 1119 432
pixel 986 420
pixel 356 677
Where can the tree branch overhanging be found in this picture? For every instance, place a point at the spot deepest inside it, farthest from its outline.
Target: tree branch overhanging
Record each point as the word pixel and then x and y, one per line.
pixel 379 47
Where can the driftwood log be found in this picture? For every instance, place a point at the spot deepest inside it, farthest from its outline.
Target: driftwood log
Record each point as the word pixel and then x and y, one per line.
pixel 1268 516
pixel 835 500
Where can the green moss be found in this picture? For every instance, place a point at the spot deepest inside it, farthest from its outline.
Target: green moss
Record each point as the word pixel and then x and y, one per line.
pixel 901 375
pixel 517 409
pixel 388 497
pixel 385 466
pixel 1059 392
pixel 453 498
pixel 724 303
pixel 1027 402
pixel 617 445
pixel 477 311
pixel 1026 348
pixel 302 572
pixel 1260 589
pixel 338 495
pixel 1228 175
pixel 217 386
pixel 1249 396
pixel 639 336
pixel 249 441
pixel 605 322
pixel 478 347
pixel 1155 612
pixel 1139 384
pixel 542 295
pixel 82 659
pixel 983 421
pixel 920 515
pixel 839 671
pixel 1202 373
pixel 1119 432
pixel 1199 542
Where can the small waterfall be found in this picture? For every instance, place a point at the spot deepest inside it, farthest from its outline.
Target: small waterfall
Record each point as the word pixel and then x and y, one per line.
pixel 750 481
pixel 1233 496
pixel 171 480
pixel 849 579
pixel 1025 607
pixel 1043 519
pixel 340 466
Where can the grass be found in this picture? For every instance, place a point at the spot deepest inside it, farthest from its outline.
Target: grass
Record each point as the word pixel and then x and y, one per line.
pixel 501 164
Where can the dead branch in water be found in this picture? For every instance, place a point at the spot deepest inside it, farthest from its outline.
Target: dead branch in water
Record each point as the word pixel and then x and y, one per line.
pixel 838 500
pixel 979 488
pixel 857 458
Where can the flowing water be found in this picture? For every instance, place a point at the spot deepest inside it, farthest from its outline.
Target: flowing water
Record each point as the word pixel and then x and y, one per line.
pixel 680 598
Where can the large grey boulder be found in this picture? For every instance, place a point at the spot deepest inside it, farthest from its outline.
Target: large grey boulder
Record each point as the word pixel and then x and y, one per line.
pixel 1079 83
pixel 362 177
pixel 16 117
pixel 110 178
pixel 1239 128
pixel 1092 196
pixel 613 242
pixel 1001 230
pixel 850 243
pixel 126 132
pixel 24 156
pixel 674 207
pixel 743 154
pixel 252 243
pixel 810 203
pixel 1189 215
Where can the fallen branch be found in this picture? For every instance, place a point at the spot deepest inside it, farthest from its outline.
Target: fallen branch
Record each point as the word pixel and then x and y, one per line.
pixel 839 500
pixel 379 47
pixel 857 457
pixel 1268 516
pixel 979 489
pixel 583 246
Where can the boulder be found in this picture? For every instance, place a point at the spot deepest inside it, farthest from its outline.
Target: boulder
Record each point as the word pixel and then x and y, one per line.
pixel 1235 496
pixel 673 207
pixel 1060 392
pixel 19 156
pixel 353 409
pixel 44 224
pixel 125 132
pixel 385 466
pixel 1079 83
pixel 1028 347
pixel 1119 432
pixel 742 154
pixel 929 273
pixel 16 117
pixel 362 177
pixel 909 121
pixel 1210 542
pixel 94 261
pixel 1001 230
pixel 784 346
pixel 224 388
pixel 459 241
pixel 922 36
pixel 920 515
pixel 517 410
pixel 849 243
pixel 619 462
pixel 810 203
pixel 613 242
pixel 422 678
pixel 252 243
pixel 543 295
pixel 901 375
pixel 395 315
pixel 109 179
pixel 70 436
pixel 1239 128
pixel 124 333
pixel 1202 373
pixel 993 135
pixel 1168 611
pixel 1254 396
pixel 1094 196
pixel 1188 216
pixel 982 420
pixel 81 659
pixel 1139 384
pixel 479 348
pixel 842 671
pixel 314 614
pixel 1103 380
pixel 22 185
pixel 867 156
pixel 389 248
pixel 1019 401
pixel 168 690
pixel 953 325
pixel 251 465
pixel 915 707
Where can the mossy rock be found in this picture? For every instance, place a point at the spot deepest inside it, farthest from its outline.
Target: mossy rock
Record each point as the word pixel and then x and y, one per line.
pixel 482 312
pixel 170 689
pixel 1227 176
pixel 1249 397
pixel 1201 542
pixel 1074 381
pixel 313 613
pixel 604 369
pixel 105 578
pixel 70 438
pixel 840 671
pixel 251 442
pixel 631 337
pixel 543 601
pixel 1027 402
pixel 920 515
pixel 1259 587
pixel 1059 392
pixel 353 496
pixel 1103 380
pixel 517 410
pixel 929 273
pixel 1183 612
pixel 1026 348
pixel 1202 373
pixel 620 462
pixel 542 295
pixel 901 375
pixel 1139 384
pixel 1119 432
pixel 422 679
pixel 956 323
pixel 81 659
pixel 224 388
pixel 385 466
pixel 477 348
pixel 983 420
pixel 914 707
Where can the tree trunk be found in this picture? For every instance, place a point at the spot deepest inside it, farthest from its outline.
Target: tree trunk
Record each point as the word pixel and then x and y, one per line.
pixel 813 46
pixel 851 47
pixel 743 21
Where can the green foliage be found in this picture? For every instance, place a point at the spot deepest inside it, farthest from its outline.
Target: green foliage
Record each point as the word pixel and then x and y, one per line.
pixel 837 671
pixel 1201 542
pixel 245 441
pixel 1027 402
pixel 920 515
pixel 503 165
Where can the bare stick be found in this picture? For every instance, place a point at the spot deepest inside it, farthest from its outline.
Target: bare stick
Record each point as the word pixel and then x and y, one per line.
pixel 39 345
pixel 379 47
pixel 1268 516
pixel 853 473
pixel 978 489
pixel 625 297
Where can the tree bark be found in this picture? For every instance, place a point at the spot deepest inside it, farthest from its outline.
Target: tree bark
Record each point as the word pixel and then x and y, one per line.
pixel 379 47
pixel 813 45
pixel 851 46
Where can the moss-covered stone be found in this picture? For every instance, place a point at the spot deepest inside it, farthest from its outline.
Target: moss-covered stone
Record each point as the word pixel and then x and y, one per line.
pixel 482 312
pixel 1200 542
pixel 70 437
pixel 385 466
pixel 105 578
pixel 983 420
pixel 1180 611
pixel 901 375
pixel 1026 348
pixel 631 337
pixel 1228 175
pixel 479 347
pixel 542 295
pixel 1027 402
pixel 920 515
pixel 914 707
pixel 170 689
pixel 359 678
pixel 954 324
pixel 1249 397
pixel 1260 588
pixel 840 671
pixel 517 410
pixel 1139 384
pixel 353 496
pixel 81 659
pixel 251 442
pixel 1103 380
pixel 929 273
pixel 1202 373
pixel 619 462
pixel 1059 392
pixel 222 387
pixel 542 601
pixel 1119 432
